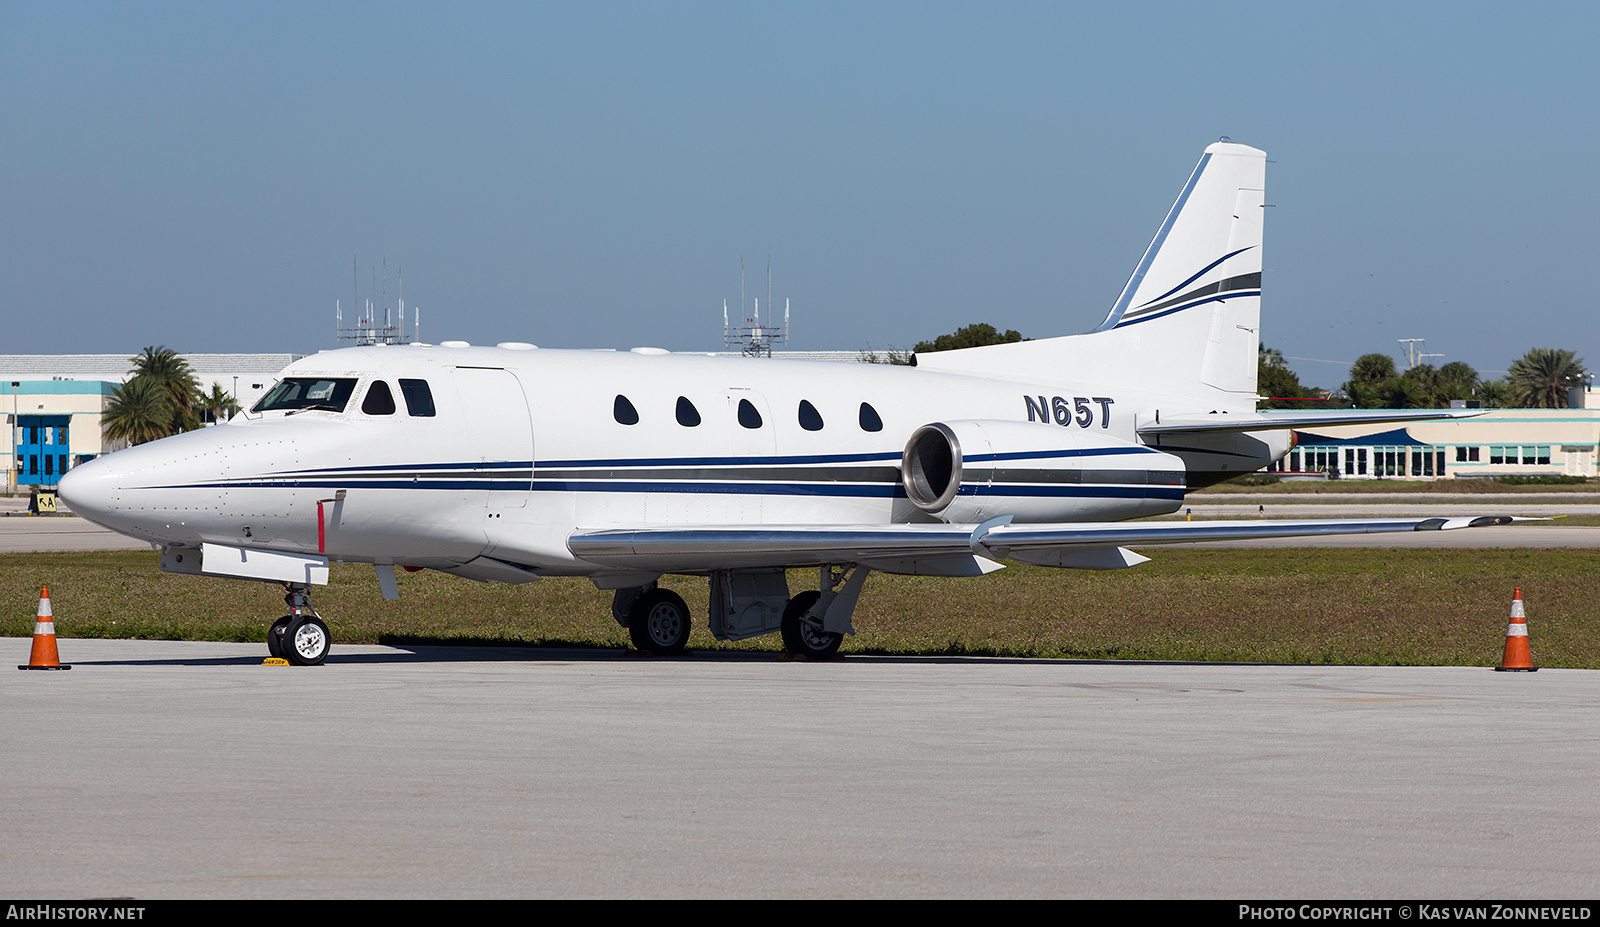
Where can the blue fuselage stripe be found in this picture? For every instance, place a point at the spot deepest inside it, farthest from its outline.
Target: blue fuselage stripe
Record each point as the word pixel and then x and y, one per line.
pixel 858 490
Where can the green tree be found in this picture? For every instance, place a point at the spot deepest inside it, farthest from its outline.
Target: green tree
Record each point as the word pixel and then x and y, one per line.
pixel 1540 378
pixel 1494 394
pixel 1277 383
pixel 139 411
pixel 172 373
pixel 1371 382
pixel 968 336
pixel 1458 380
pixel 1375 384
pixel 218 404
pixel 1417 388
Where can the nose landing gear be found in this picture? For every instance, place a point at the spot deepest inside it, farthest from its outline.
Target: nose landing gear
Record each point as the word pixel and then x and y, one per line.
pixel 300 637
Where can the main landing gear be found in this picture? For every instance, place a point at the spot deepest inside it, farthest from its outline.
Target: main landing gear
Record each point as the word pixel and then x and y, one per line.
pixel 300 637
pixel 658 622
pixel 815 623
pixel 803 634
pixel 745 604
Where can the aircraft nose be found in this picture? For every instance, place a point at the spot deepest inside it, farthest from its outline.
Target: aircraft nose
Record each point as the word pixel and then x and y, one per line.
pixel 90 489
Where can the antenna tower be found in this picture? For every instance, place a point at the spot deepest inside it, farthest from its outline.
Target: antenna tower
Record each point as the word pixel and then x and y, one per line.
pixel 755 338
pixel 368 329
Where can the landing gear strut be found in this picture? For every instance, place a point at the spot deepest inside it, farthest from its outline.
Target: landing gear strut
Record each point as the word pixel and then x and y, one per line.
pixel 815 623
pixel 300 637
pixel 803 635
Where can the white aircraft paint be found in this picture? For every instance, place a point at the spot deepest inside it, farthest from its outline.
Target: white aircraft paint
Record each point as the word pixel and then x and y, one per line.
pixel 522 463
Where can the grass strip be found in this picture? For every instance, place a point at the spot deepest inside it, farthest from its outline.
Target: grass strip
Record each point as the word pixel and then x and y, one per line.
pixel 1289 605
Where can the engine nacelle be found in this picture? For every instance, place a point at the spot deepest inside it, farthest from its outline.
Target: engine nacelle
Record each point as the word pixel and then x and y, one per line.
pixel 965 472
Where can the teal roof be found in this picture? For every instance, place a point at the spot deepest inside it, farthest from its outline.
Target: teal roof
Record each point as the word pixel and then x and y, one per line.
pixel 62 387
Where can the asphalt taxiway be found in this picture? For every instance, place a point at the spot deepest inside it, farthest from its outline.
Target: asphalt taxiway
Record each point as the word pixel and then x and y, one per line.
pixel 173 769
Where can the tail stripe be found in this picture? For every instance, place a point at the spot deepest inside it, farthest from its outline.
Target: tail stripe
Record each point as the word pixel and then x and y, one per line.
pixel 1240 286
pixel 1201 273
pixel 1115 315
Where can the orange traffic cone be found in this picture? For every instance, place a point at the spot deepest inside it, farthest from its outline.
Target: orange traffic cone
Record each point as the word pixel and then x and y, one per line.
pixel 1518 657
pixel 44 638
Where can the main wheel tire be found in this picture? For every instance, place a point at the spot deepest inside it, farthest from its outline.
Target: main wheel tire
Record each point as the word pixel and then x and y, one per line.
pixel 659 623
pixel 803 638
pixel 275 636
pixel 306 641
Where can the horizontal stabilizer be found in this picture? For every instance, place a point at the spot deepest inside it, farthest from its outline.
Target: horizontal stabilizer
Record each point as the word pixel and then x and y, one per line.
pixel 1294 419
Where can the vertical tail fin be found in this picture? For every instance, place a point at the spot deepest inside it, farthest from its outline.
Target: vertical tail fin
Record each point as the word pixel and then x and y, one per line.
pixel 1205 265
pixel 1188 319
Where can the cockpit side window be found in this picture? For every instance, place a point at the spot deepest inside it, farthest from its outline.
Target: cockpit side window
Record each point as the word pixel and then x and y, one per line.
pixel 379 400
pixel 299 394
pixel 419 399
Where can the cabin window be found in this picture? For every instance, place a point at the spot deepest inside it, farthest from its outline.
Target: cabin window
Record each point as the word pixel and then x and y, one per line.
pixel 379 400
pixel 418 397
pixel 688 415
pixel 869 419
pixel 748 416
pixel 297 394
pixel 623 411
pixel 810 419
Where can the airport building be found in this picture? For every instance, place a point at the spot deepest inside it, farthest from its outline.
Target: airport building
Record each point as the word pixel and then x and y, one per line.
pixel 53 404
pixel 1500 442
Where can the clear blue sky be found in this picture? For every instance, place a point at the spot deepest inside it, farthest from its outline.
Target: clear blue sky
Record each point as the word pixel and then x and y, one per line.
pixel 589 174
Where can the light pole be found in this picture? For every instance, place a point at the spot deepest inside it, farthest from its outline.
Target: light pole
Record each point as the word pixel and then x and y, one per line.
pixel 11 474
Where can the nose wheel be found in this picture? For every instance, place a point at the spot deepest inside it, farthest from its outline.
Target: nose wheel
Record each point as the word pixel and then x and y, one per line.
pixel 301 637
pixel 306 641
pixel 275 636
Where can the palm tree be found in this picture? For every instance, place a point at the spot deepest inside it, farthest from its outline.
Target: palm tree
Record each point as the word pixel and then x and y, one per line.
pixel 1457 380
pixel 1371 381
pixel 164 366
pixel 138 412
pixel 219 405
pixel 1540 378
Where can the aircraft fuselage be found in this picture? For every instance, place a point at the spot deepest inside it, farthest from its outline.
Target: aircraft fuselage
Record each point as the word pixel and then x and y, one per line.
pixel 524 446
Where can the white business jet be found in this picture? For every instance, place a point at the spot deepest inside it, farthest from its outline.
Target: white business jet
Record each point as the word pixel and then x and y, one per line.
pixel 510 463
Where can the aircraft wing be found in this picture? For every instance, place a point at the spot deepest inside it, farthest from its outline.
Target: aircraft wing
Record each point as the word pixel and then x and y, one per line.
pixel 1297 418
pixel 951 550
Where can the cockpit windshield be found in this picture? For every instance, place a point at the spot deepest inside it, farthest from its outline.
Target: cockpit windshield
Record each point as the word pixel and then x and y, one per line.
pixel 298 394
